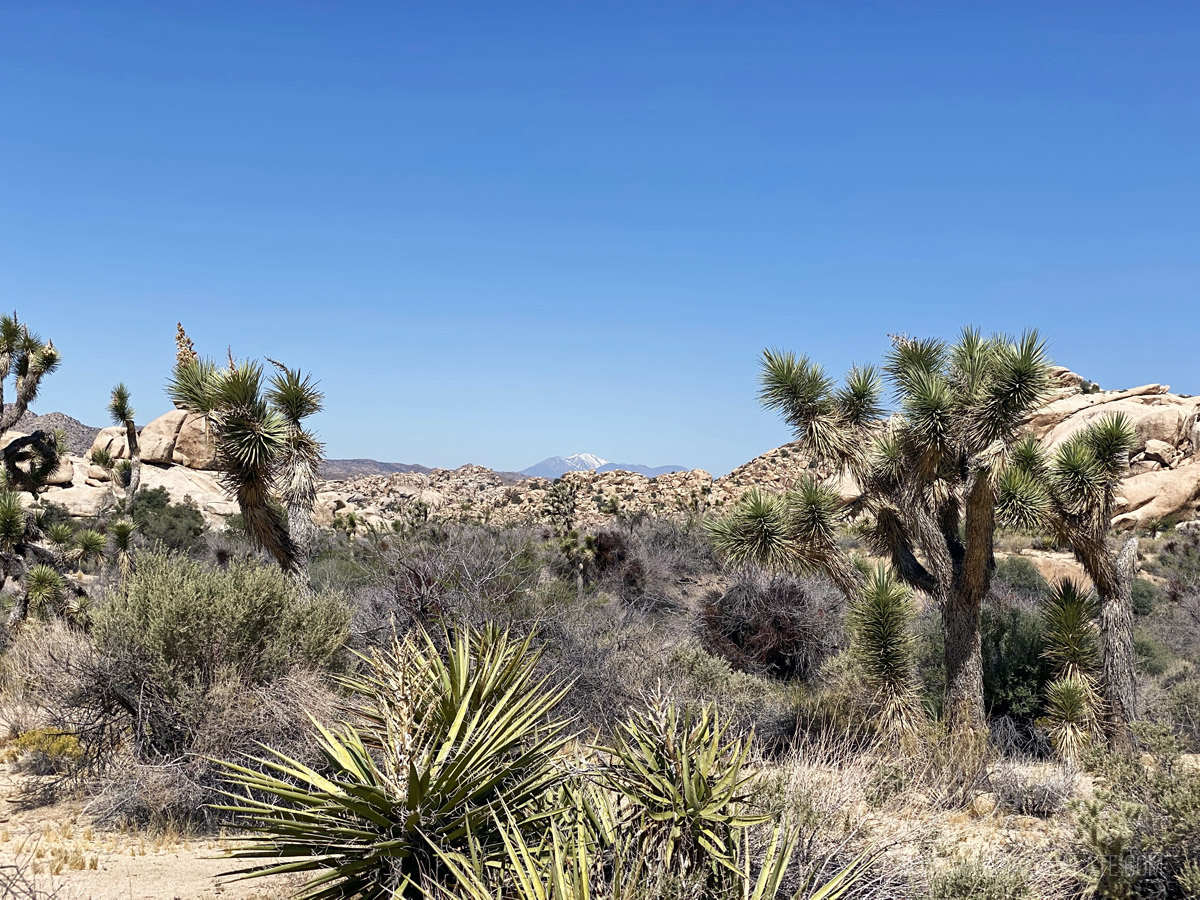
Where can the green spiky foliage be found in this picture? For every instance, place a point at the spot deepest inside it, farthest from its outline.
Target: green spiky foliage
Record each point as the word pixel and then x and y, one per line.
pixel 102 458
pixel 1072 492
pixel 880 620
pixel 27 359
pixel 928 475
pixel 45 588
pixel 29 461
pixel 1069 633
pixel 60 536
pixel 296 397
pixel 121 411
pixel 88 548
pixel 122 534
pixel 1070 718
pixel 1070 640
pixel 685 785
pixel 796 531
pixel 560 506
pixel 568 864
pixel 446 740
pixel 266 459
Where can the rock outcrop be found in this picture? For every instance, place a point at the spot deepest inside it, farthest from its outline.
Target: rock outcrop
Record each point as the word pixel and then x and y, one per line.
pixel 178 453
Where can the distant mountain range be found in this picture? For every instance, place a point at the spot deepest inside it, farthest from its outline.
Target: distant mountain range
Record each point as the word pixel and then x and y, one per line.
pixel 338 469
pixel 79 436
pixel 557 466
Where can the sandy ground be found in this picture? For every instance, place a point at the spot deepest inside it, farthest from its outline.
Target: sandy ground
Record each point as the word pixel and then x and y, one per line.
pixel 64 856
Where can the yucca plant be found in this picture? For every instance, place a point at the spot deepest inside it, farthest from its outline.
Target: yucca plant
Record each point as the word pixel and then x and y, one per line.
pixel 45 588
pixel 1070 716
pixel 928 476
pixel 568 864
pixel 60 536
pixel 684 786
pixel 1072 493
pixel 267 460
pixel 1073 702
pixel 17 529
pixel 121 537
pixel 120 410
pixel 880 621
pixel 88 548
pixel 444 740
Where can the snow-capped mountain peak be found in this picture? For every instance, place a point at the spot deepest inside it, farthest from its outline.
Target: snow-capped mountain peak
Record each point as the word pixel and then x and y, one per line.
pixel 556 466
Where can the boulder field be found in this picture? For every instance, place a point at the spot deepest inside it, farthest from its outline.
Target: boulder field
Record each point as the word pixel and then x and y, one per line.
pixel 178 454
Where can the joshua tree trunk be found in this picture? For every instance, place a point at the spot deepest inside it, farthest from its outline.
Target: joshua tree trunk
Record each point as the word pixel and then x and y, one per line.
pixel 964 665
pixel 1116 633
pixel 135 465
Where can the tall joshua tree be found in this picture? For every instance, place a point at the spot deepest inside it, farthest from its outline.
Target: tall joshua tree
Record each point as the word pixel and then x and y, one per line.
pixel 28 359
pixel 266 458
pixel 122 413
pixel 928 477
pixel 1072 492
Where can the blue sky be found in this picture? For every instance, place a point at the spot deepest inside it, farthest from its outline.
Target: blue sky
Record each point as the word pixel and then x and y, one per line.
pixel 497 232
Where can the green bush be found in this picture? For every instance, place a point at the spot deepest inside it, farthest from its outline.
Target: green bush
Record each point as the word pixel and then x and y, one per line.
pixel 1019 574
pixel 179 626
pixel 1141 832
pixel 1015 674
pixel 975 881
pixel 1146 597
pixel 175 526
pixel 1151 657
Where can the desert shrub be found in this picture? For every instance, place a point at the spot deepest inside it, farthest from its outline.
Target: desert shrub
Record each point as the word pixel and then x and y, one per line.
pixel 174 526
pixel 977 881
pixel 783 625
pixel 1140 833
pixel 1178 563
pixel 180 626
pixel 1033 788
pixel 1146 597
pixel 44 751
pixel 1015 673
pixel 1018 574
pixel 460 573
pixel 676 548
pixel 1151 657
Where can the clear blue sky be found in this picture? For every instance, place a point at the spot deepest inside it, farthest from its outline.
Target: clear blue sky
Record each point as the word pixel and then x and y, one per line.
pixel 501 231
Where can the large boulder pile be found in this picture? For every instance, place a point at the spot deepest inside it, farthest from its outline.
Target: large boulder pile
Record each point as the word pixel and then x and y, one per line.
pixel 1164 468
pixel 178 454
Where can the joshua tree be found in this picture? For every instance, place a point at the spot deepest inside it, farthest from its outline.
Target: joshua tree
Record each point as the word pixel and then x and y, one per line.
pixel 264 453
pixel 1072 492
pixel 30 460
pixel 28 360
pixel 928 477
pixel 122 413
